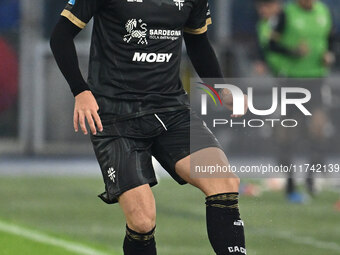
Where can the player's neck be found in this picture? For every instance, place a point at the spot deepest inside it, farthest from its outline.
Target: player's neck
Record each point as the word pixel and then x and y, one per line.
pixel 306 8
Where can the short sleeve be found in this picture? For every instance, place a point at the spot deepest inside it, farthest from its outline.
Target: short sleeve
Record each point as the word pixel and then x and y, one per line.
pixel 199 19
pixel 79 12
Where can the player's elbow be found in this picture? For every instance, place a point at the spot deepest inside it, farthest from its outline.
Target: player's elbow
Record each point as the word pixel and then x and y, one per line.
pixel 56 39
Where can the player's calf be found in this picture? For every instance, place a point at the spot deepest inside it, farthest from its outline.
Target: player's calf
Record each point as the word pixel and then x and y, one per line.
pixel 224 225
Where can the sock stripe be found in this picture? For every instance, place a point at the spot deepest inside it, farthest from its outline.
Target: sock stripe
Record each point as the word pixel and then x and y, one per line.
pixel 140 237
pixel 223 197
pixel 234 206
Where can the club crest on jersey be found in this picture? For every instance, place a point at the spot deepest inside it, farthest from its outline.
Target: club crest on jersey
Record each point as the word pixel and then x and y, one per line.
pixel 136 31
pixel 71 2
pixel 179 3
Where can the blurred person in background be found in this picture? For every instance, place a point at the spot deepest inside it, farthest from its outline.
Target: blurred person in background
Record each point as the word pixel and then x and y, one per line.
pixel 8 76
pixel 268 11
pixel 9 23
pixel 135 89
pixel 300 49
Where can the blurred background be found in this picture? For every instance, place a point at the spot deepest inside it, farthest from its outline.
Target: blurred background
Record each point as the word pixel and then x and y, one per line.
pixel 49 176
pixel 36 106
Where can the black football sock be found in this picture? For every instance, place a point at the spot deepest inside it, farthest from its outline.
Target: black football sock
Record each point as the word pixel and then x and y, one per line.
pixel 139 244
pixel 225 228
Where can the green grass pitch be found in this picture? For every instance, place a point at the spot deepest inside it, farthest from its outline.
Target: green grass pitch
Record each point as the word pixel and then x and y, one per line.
pixel 48 213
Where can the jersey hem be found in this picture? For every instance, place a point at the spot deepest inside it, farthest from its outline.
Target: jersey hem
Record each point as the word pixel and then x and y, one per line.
pixel 199 31
pixel 71 17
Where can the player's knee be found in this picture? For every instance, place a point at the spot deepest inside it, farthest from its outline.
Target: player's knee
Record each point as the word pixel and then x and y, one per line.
pixel 232 183
pixel 237 183
pixel 143 224
pixel 217 186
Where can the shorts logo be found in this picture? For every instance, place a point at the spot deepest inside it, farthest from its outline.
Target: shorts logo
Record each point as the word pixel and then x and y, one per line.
pixel 112 174
pixel 179 3
pixel 152 57
pixel 136 31
pixel 72 2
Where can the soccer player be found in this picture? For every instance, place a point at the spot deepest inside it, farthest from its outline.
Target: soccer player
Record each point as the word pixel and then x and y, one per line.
pixel 135 106
pixel 301 48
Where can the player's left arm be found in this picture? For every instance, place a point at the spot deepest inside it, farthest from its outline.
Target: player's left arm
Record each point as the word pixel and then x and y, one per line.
pixel 205 62
pixel 200 51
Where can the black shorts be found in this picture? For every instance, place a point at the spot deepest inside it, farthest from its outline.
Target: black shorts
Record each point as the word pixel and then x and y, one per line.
pixel 125 148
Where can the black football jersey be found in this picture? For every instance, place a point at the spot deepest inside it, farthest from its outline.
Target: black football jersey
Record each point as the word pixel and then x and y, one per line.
pixel 136 49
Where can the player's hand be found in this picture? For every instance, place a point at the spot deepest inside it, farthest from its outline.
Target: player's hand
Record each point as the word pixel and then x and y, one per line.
pixel 328 58
pixel 260 68
pixel 227 99
pixel 86 107
pixel 301 51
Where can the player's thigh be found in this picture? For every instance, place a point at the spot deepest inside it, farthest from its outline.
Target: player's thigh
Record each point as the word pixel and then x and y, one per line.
pixel 125 163
pixel 139 208
pixel 188 135
pixel 228 182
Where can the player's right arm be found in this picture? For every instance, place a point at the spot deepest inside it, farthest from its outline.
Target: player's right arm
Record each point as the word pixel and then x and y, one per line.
pixel 64 51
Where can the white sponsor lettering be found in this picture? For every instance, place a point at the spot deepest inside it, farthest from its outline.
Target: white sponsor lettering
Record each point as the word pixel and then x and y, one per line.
pixel 152 57
pixel 233 249
pixel 165 32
